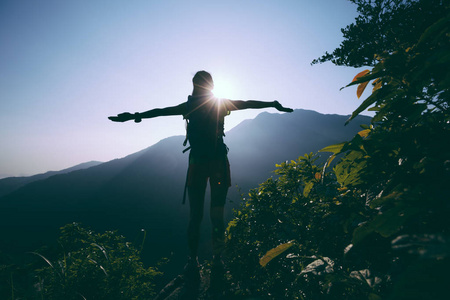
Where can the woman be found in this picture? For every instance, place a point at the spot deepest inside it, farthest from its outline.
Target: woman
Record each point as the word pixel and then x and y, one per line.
pixel 207 159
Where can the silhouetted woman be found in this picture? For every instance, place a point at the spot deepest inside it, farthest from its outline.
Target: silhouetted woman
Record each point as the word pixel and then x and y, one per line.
pixel 207 159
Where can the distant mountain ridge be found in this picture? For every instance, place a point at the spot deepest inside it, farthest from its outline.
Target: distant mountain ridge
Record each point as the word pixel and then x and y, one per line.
pixel 144 190
pixel 10 184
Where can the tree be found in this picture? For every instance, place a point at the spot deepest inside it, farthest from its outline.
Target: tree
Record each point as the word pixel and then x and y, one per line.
pixel 383 26
pixel 392 176
pixel 406 168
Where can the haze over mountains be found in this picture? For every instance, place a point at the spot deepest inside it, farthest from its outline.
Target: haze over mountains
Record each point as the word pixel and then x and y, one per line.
pixel 144 190
pixel 10 184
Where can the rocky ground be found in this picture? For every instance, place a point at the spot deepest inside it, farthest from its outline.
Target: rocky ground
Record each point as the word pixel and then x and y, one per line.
pixel 208 287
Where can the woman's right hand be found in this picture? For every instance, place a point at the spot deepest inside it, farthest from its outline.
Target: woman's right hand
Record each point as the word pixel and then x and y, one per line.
pixel 126 116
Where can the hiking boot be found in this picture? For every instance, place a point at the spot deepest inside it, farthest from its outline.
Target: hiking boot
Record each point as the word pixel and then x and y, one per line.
pixel 217 278
pixel 191 271
pixel 217 265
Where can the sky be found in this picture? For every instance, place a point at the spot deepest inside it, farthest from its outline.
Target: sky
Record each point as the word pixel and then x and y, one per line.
pixel 65 66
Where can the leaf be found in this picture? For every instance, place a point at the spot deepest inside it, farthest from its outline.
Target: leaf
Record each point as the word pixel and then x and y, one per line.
pixel 318 176
pixel 271 254
pixel 360 74
pixel 361 88
pixel 102 249
pixel 378 83
pixel 374 108
pixel 364 133
pixel 366 103
pixel 329 160
pixel 320 266
pixel 367 77
pixel 308 188
pixel 387 223
pixel 348 169
pixel 336 148
pixel 432 30
pixel 43 257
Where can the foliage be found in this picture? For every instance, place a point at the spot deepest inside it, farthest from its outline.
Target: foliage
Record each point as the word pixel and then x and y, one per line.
pixel 273 253
pixel 383 26
pixel 302 204
pixel 376 225
pixel 88 265
pixel 406 173
pixel 16 281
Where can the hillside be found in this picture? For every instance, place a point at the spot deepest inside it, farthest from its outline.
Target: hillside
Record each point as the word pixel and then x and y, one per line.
pixel 144 190
pixel 10 184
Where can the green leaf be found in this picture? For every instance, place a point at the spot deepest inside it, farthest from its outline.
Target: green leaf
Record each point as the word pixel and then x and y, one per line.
pixel 431 31
pixel 366 103
pixel 396 193
pixel 271 254
pixel 392 220
pixel 348 170
pixel 308 188
pixel 44 258
pixel 373 296
pixel 336 148
pixel 386 223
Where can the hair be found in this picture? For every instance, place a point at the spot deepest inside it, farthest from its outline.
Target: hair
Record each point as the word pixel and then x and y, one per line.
pixel 203 80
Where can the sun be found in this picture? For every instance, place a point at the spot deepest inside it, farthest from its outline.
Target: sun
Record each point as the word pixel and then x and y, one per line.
pixel 223 88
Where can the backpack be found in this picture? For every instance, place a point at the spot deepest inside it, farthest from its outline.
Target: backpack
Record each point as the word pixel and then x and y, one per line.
pixel 204 129
pixel 205 126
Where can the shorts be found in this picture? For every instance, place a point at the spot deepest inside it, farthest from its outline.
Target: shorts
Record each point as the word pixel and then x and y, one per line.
pixel 217 170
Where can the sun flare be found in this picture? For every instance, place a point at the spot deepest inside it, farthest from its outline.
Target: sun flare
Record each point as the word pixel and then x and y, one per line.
pixel 223 89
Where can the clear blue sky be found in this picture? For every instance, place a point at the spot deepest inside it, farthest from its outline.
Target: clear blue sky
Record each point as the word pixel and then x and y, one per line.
pixel 65 66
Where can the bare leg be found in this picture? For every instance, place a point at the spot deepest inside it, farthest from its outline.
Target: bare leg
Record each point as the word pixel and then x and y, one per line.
pixel 196 201
pixel 218 196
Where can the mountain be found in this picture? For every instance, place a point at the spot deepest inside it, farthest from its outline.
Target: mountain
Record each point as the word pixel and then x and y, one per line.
pixel 10 184
pixel 144 190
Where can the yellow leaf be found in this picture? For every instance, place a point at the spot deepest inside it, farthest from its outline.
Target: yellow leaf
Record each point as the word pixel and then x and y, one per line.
pixel 364 133
pixel 361 88
pixel 271 254
pixel 333 148
pixel 377 57
pixel 318 176
pixel 307 189
pixel 360 74
pixel 377 84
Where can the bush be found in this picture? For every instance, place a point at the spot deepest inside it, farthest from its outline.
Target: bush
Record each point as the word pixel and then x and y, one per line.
pixel 93 265
pixel 377 225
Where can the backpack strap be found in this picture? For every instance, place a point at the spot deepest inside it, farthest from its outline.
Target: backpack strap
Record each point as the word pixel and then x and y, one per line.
pixel 187 149
pixel 185 187
pixel 187 137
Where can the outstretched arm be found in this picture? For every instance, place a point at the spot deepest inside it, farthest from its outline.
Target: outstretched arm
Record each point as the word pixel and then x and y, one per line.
pixel 241 104
pixel 153 113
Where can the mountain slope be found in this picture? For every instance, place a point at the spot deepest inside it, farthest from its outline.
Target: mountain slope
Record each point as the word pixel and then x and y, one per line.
pixel 272 138
pixel 144 190
pixel 10 184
